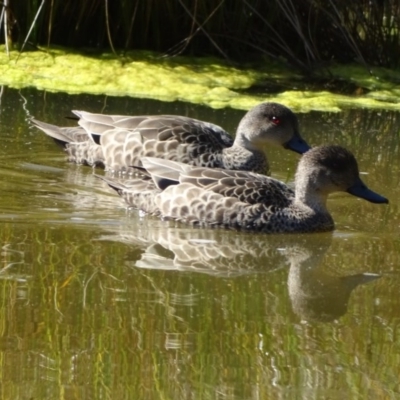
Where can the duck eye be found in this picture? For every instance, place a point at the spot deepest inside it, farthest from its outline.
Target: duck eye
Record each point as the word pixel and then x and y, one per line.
pixel 275 120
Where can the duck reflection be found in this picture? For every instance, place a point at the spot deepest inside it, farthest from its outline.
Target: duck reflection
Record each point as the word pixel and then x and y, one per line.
pixel 315 293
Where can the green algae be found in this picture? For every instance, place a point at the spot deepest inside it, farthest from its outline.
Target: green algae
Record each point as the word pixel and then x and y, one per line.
pixel 196 80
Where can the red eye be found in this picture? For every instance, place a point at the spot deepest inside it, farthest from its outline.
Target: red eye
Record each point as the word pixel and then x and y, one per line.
pixel 275 120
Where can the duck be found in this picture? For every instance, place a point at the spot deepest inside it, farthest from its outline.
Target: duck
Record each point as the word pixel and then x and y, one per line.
pixel 245 200
pixel 118 142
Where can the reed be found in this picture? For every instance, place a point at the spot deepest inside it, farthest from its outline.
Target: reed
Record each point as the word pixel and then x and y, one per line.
pixel 305 33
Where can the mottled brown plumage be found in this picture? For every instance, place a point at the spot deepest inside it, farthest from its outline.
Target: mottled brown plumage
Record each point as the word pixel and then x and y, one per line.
pixel 120 142
pixel 246 200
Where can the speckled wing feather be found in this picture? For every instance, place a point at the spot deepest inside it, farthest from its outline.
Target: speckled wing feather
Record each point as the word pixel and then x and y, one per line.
pixel 157 127
pixel 188 203
pixel 119 142
pixel 174 138
pixel 248 187
pixel 87 153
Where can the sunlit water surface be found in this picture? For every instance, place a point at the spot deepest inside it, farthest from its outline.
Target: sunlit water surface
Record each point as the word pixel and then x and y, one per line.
pixel 100 302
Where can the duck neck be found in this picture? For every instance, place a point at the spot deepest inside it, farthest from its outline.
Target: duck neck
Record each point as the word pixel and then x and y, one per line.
pixel 243 142
pixel 308 193
pixel 239 158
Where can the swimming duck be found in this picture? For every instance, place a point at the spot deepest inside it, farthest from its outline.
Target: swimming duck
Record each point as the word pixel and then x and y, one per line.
pixel 246 200
pixel 118 142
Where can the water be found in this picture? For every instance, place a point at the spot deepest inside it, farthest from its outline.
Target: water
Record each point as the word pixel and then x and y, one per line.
pixel 100 302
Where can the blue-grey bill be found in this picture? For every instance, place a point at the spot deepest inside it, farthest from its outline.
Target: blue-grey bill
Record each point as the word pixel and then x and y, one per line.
pixel 297 144
pixel 359 189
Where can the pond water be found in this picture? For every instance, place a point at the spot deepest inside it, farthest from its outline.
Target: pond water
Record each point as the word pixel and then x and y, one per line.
pixel 100 302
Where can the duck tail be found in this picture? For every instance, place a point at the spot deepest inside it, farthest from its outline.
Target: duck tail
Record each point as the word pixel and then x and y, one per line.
pixel 53 131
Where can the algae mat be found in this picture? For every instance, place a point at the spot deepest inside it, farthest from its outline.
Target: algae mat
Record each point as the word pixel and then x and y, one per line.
pixel 206 81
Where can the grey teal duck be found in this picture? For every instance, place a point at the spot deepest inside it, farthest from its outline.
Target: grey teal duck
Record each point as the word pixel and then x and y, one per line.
pixel 119 142
pixel 246 200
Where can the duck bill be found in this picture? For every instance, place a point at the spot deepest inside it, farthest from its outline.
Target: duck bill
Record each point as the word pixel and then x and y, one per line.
pixel 359 189
pixel 297 144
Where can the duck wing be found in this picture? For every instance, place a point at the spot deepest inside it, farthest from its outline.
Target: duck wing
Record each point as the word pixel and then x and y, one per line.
pixel 126 139
pixel 248 187
pixel 160 127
